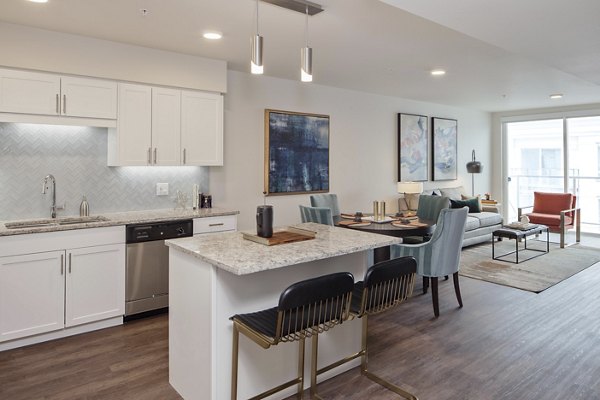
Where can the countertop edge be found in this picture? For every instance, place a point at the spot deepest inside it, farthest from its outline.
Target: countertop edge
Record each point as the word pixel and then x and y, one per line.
pixel 121 218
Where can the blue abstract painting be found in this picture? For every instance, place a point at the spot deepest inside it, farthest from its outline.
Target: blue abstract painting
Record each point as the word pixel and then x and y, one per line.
pixel 297 159
pixel 412 147
pixel 444 149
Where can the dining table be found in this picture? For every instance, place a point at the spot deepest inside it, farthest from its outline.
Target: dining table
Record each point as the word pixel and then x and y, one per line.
pixel 391 225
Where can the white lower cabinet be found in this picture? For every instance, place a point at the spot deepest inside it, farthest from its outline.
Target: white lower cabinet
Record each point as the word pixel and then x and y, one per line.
pixel 32 291
pixel 95 286
pixel 55 289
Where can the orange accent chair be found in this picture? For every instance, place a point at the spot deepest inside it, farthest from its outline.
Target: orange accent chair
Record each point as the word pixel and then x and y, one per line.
pixel 557 211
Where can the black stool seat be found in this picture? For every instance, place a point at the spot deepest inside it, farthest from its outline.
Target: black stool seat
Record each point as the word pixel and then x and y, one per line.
pixel 264 322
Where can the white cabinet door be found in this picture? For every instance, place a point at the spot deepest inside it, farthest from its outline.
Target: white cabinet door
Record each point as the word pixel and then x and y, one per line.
pixel 95 284
pixel 31 294
pixel 134 125
pixel 201 128
pixel 166 126
pixel 29 92
pixel 85 97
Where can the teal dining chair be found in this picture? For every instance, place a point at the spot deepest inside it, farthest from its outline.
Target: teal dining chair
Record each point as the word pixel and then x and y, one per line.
pixel 429 210
pixel 440 256
pixel 320 215
pixel 328 200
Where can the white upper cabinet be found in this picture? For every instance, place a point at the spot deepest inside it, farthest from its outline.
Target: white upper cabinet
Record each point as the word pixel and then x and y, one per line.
pixel 86 97
pixel 166 126
pixel 130 143
pixel 29 92
pixel 201 128
pixel 39 93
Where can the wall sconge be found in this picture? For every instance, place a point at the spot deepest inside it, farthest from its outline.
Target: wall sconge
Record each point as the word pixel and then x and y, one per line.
pixel 474 167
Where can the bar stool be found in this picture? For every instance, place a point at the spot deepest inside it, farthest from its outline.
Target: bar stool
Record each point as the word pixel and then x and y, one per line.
pixel 305 309
pixel 386 285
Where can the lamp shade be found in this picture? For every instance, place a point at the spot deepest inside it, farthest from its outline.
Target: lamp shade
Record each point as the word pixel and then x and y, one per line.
pixel 474 167
pixel 410 187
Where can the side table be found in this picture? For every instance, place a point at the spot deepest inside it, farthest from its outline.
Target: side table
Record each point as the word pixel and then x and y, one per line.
pixel 517 235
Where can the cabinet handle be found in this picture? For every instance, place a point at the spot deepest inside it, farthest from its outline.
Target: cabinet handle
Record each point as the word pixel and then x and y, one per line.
pixel 57 103
pixel 155 155
pixel 62 264
pixel 184 156
pixel 64 103
pixel 149 156
pixel 69 262
pixel 220 224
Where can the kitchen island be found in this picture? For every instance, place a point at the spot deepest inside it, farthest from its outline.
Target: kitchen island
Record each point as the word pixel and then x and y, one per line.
pixel 216 276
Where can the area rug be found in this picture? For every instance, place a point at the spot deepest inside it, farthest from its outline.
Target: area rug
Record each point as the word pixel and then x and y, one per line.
pixel 536 274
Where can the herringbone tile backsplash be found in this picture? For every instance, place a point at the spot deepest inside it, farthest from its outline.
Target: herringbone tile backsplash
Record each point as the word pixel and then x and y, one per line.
pixel 76 156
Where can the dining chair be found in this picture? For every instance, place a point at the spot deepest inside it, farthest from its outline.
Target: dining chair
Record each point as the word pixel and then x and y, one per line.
pixel 429 209
pixel 440 256
pixel 329 200
pixel 320 215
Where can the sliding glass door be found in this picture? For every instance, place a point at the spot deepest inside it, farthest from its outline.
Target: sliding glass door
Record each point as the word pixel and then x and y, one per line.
pixel 554 155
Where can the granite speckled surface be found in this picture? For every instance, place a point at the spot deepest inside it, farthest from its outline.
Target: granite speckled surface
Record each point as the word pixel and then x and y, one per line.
pixel 232 253
pixel 120 218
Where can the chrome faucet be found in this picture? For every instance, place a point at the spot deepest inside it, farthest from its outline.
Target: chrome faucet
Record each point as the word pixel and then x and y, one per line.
pixel 54 208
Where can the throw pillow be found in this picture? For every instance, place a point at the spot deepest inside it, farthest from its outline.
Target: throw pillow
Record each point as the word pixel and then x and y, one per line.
pixel 472 203
pixel 453 193
pixel 464 197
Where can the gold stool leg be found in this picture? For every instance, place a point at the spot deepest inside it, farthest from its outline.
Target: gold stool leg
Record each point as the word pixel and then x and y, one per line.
pixel 313 368
pixel 234 362
pixel 301 368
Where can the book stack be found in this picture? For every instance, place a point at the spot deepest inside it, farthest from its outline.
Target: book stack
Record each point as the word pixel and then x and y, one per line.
pixel 488 202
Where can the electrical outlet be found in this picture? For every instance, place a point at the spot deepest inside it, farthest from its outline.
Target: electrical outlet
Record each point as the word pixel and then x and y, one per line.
pixel 162 189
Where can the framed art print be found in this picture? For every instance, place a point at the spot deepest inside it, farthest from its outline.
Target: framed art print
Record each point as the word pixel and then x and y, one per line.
pixel 412 147
pixel 444 144
pixel 296 152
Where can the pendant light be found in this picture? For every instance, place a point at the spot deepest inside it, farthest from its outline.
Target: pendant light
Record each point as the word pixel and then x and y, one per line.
pixel 256 62
pixel 306 57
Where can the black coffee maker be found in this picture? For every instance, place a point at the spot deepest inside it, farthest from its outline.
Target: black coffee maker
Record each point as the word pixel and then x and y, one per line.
pixel 264 221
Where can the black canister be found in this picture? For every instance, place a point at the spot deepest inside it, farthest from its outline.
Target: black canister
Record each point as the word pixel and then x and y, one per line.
pixel 264 221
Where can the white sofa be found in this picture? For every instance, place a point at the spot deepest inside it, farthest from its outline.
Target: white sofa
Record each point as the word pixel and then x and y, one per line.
pixel 479 226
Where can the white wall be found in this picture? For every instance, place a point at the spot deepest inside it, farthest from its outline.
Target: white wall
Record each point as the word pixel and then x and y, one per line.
pixel 31 48
pixel 363 145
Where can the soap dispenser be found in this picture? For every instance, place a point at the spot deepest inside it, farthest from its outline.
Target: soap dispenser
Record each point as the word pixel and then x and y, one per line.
pixel 84 208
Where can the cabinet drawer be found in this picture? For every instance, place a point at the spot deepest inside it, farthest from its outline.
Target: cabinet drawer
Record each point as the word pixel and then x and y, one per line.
pixel 215 224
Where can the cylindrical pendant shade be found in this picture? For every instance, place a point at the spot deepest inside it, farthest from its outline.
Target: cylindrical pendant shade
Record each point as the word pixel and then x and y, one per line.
pixel 410 187
pixel 306 64
pixel 256 64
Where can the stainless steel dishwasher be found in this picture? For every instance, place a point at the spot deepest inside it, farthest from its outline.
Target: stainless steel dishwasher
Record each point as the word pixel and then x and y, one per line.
pixel 147 267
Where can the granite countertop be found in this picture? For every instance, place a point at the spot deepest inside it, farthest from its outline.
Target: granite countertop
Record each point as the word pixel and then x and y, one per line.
pixel 231 252
pixel 113 219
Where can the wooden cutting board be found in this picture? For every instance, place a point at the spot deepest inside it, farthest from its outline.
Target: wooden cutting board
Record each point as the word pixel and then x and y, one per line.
pixel 287 235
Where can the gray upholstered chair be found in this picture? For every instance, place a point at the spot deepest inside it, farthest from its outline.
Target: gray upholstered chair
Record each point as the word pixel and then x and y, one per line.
pixel 320 215
pixel 429 209
pixel 328 200
pixel 440 256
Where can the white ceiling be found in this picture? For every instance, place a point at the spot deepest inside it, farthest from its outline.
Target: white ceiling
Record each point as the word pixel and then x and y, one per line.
pixel 499 55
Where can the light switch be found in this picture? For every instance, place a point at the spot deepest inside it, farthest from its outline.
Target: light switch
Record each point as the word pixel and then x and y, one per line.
pixel 162 189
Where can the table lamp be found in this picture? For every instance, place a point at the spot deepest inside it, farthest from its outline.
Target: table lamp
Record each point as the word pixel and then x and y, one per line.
pixel 474 167
pixel 410 187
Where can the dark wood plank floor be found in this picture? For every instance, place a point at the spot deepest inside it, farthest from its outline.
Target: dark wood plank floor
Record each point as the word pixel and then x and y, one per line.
pixel 504 344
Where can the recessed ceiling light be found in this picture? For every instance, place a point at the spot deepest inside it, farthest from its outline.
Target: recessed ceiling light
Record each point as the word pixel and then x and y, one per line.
pixel 438 72
pixel 212 35
pixel 38 1
pixel 556 96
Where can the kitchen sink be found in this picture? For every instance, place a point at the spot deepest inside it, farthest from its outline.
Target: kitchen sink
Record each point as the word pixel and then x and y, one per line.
pixel 54 222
